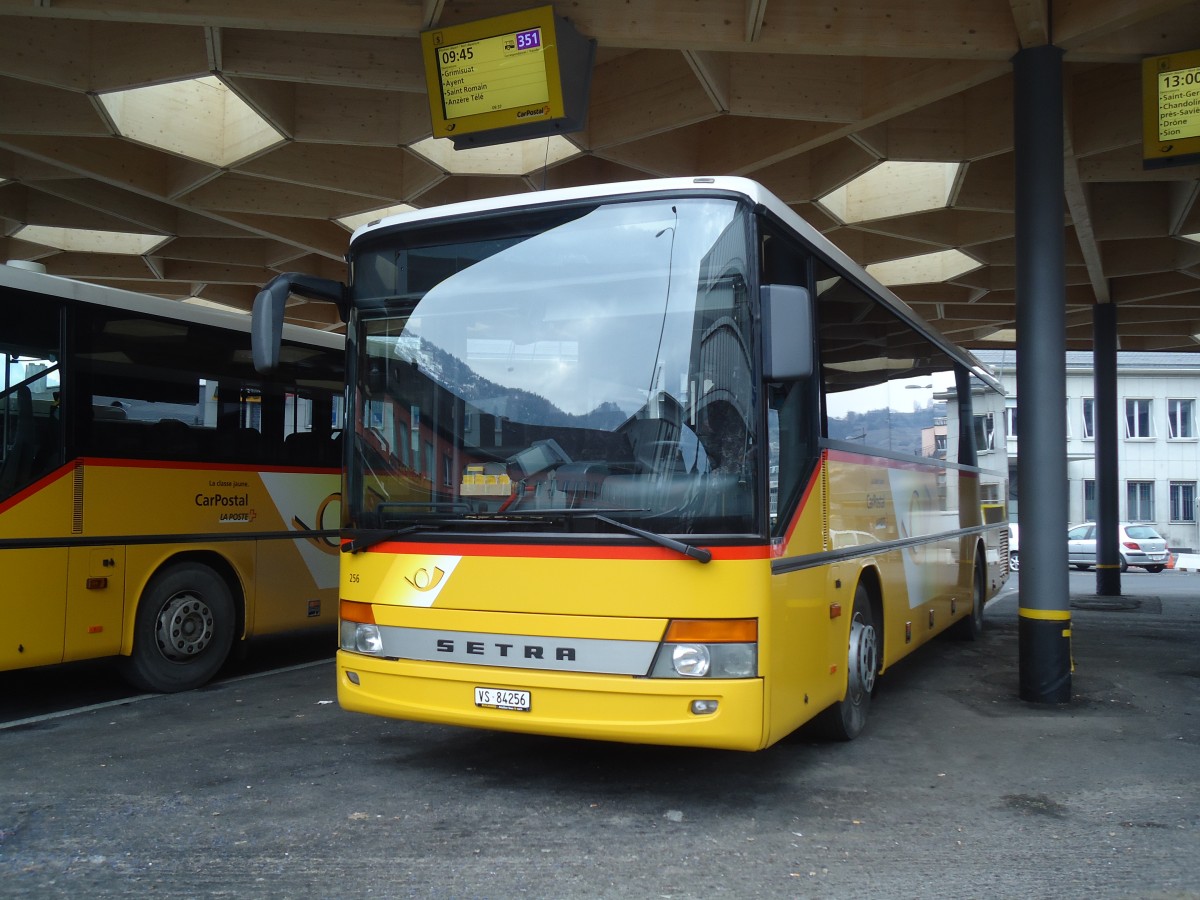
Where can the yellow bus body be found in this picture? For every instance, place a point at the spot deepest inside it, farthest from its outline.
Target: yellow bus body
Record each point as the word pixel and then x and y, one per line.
pixel 800 590
pixel 77 597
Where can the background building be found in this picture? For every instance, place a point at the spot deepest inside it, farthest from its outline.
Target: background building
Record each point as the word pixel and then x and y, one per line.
pixel 1158 452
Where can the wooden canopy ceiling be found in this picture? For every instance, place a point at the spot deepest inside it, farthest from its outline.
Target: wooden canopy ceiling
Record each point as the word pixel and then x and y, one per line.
pixel 802 96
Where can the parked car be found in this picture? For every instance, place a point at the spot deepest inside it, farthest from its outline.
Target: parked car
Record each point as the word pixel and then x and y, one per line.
pixel 1014 563
pixel 1140 545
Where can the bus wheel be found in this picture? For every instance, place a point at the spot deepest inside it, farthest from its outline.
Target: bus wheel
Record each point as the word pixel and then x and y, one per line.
pixel 184 629
pixel 846 719
pixel 970 628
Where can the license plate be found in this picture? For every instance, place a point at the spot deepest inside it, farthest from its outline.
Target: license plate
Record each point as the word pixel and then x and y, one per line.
pixel 499 698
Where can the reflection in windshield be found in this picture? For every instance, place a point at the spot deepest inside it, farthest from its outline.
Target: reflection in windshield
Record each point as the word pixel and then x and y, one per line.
pixel 602 364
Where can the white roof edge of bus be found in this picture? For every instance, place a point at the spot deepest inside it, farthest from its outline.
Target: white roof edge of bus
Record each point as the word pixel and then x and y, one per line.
pixel 747 187
pixel 69 289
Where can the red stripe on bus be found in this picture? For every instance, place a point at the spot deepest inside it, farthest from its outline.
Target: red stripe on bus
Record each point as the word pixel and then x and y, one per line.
pixel 780 548
pixel 40 485
pixel 867 459
pixel 114 463
pixel 562 551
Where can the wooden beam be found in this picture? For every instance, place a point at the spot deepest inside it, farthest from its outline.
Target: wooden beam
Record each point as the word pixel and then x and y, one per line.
pixel 318 236
pixel 346 115
pixel 30 108
pixel 882 28
pixel 350 60
pixel 127 211
pixel 235 192
pixel 814 88
pixel 250 251
pixel 1149 256
pixel 755 11
pixel 380 173
pixel 1077 197
pixel 712 71
pixel 1165 289
pixel 1032 21
pixel 641 94
pixel 1076 23
pixel 361 17
pixel 274 101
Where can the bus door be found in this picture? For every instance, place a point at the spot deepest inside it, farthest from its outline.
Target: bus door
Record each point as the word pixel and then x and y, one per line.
pixel 31 607
pixel 95 602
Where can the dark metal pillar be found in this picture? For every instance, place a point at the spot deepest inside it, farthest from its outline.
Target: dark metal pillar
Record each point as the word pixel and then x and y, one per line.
pixel 1044 615
pixel 1104 374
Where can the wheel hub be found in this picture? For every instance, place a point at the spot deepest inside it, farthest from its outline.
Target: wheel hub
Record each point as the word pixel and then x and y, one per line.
pixel 185 627
pixel 864 658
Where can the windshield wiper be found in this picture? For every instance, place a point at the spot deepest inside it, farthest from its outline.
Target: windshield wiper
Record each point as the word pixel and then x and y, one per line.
pixel 367 540
pixel 697 553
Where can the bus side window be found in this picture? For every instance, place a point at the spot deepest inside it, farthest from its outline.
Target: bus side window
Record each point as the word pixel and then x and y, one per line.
pixel 790 454
pixel 307 448
pixel 172 439
pixel 18 460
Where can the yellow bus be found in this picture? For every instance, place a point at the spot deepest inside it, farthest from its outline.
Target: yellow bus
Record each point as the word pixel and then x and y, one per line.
pixel 650 462
pixel 160 501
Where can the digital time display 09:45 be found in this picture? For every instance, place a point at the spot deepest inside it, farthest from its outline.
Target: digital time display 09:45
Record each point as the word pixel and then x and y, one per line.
pixel 461 54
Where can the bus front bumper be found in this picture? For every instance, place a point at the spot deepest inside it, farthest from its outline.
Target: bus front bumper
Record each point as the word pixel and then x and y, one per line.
pixel 595 707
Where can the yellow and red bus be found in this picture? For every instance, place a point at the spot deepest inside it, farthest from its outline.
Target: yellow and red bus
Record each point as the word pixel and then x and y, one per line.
pixel 160 500
pixel 648 462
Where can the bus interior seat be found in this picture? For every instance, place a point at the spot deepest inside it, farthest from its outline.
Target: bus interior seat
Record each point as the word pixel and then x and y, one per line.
pixel 581 481
pixel 172 439
pixel 304 448
pixel 18 462
pixel 307 448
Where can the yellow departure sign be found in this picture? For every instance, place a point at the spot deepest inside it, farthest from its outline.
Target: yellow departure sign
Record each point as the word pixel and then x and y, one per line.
pixel 492 74
pixel 510 77
pixel 1171 110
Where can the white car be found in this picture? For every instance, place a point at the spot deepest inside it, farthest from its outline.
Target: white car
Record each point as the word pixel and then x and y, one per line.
pixel 1140 545
pixel 1014 563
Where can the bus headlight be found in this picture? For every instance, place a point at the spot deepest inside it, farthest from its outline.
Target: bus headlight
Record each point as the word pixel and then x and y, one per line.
pixel 691 660
pixel 708 648
pixel 358 632
pixel 360 637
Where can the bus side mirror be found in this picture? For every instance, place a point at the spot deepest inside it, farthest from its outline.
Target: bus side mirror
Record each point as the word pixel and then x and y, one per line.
pixel 266 320
pixel 786 332
pixel 266 323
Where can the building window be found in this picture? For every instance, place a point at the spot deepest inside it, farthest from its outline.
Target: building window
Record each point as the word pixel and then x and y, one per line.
pixel 1089 500
pixel 1139 501
pixel 1180 420
pixel 985 433
pixel 1089 418
pixel 1137 419
pixel 1010 421
pixel 1183 501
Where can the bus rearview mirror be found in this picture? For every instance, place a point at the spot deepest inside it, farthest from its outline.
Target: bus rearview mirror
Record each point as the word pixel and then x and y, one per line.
pixel 266 323
pixel 266 320
pixel 787 332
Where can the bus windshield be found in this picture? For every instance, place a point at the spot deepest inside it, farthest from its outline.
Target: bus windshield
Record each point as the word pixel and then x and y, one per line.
pixel 594 360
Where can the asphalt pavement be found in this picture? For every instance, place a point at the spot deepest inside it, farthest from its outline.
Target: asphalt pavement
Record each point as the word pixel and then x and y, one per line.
pixel 261 786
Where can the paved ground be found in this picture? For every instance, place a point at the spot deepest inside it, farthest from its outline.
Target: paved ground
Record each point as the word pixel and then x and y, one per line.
pixel 263 787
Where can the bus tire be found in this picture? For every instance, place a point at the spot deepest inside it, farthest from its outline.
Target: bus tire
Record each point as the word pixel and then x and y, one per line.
pixel 970 627
pixel 184 629
pixel 846 719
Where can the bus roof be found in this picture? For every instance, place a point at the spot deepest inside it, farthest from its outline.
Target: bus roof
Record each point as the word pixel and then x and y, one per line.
pixel 20 279
pixel 745 187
